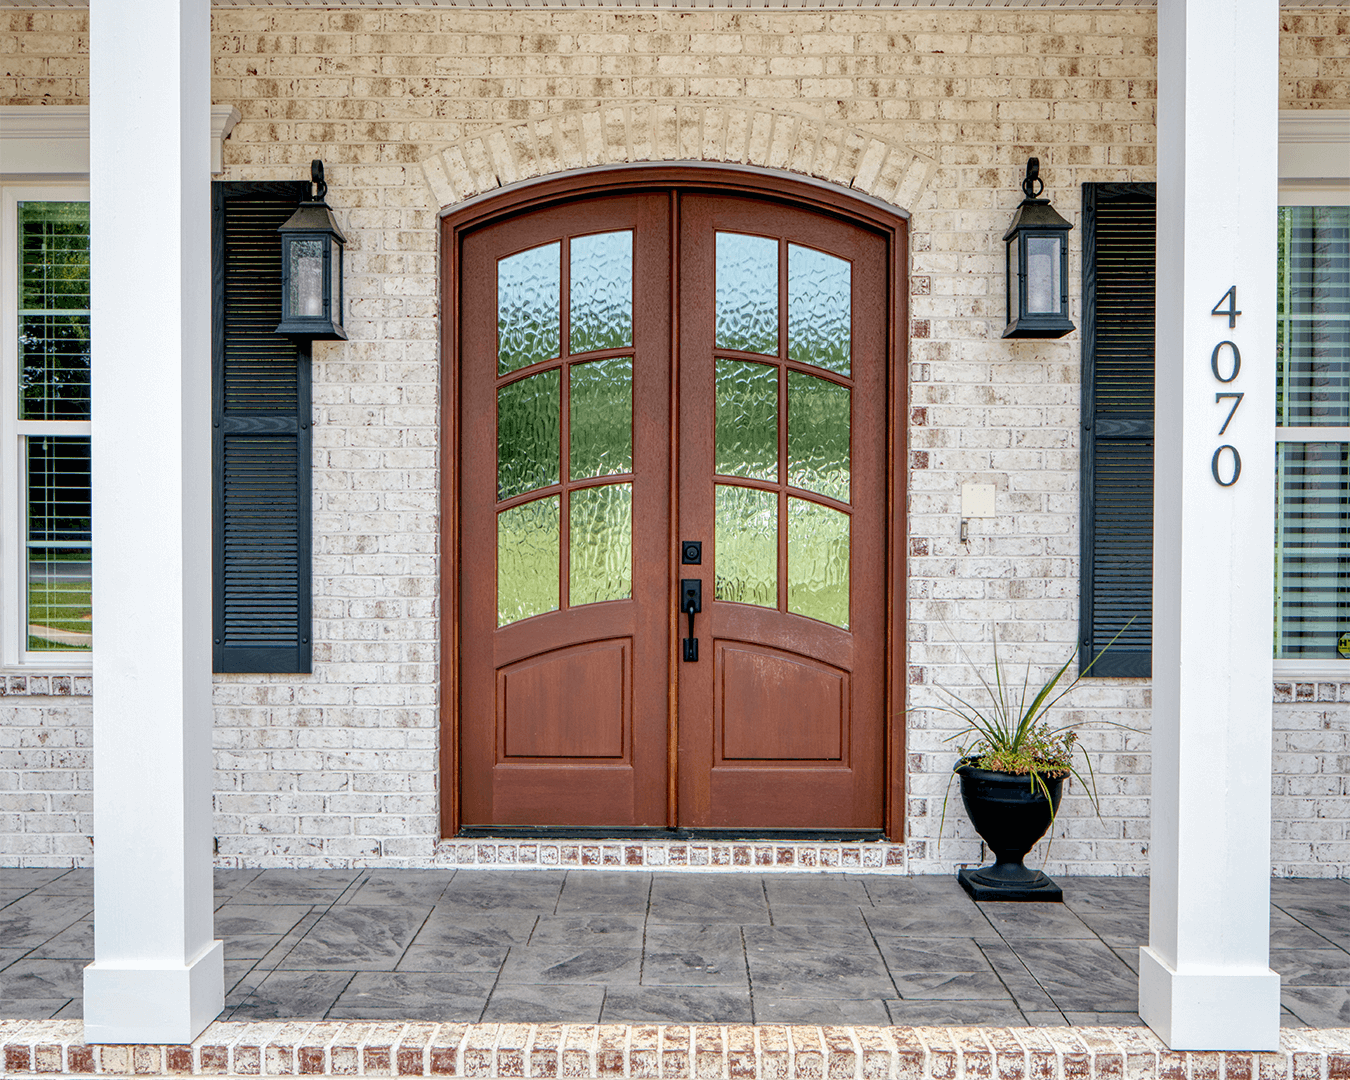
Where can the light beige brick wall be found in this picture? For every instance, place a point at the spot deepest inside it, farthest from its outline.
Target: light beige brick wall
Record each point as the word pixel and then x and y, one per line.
pixel 403 106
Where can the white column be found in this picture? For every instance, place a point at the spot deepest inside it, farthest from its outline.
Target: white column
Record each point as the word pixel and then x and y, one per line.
pixel 1204 980
pixel 157 974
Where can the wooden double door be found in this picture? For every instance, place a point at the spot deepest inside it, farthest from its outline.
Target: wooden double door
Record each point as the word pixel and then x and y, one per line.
pixel 661 393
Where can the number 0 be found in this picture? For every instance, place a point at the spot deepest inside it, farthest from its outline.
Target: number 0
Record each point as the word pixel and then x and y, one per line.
pixel 1237 466
pixel 1214 361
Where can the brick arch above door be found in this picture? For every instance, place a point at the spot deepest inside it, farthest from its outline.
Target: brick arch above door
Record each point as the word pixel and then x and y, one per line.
pixel 629 132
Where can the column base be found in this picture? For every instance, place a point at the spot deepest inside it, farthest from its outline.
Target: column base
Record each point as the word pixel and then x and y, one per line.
pixel 1210 1009
pixel 165 1005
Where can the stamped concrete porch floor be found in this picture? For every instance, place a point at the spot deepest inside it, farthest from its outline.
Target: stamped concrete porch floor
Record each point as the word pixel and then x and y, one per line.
pixel 592 946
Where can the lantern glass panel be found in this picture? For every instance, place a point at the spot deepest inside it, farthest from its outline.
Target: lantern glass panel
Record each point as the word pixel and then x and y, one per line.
pixel 306 273
pixel 1013 276
pixel 335 284
pixel 1043 275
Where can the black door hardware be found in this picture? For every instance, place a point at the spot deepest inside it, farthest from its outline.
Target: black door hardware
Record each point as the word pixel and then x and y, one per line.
pixel 691 552
pixel 691 601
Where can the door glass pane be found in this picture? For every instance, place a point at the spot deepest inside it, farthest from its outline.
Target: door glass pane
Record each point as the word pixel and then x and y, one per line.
pixel 818 562
pixel 747 546
pixel 820 308
pixel 528 550
pixel 527 434
pixel 1312 383
pixel 818 435
pixel 602 418
pixel 601 292
pixel 1312 549
pixel 54 311
pixel 60 615
pixel 601 544
pixel 747 419
pixel 747 293
pixel 529 301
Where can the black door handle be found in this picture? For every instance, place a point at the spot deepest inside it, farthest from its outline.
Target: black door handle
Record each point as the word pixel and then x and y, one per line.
pixel 691 601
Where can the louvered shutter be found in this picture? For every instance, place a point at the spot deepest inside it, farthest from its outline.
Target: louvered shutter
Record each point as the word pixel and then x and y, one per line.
pixel 1117 418
pixel 261 441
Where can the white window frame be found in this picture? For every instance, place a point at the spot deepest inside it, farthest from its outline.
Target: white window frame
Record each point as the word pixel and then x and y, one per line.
pixel 44 155
pixel 1314 171
pixel 14 649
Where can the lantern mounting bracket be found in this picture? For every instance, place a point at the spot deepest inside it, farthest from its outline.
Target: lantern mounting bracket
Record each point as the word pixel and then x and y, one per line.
pixel 1030 181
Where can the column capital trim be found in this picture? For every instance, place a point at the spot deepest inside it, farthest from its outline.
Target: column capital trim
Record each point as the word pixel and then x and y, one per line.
pixel 53 140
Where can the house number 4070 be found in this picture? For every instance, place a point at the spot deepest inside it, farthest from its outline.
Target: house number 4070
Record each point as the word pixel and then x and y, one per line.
pixel 1226 362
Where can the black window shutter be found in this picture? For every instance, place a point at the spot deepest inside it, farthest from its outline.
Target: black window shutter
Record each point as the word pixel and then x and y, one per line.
pixel 1117 459
pixel 260 440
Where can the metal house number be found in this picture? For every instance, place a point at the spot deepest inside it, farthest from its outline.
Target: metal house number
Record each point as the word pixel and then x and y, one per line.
pixel 1225 362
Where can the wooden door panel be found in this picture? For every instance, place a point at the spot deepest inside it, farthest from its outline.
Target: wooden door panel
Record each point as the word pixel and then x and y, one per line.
pixel 569 703
pixel 759 690
pixel 579 795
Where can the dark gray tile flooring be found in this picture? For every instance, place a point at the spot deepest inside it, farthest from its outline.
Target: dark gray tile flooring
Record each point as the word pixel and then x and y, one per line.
pixel 677 947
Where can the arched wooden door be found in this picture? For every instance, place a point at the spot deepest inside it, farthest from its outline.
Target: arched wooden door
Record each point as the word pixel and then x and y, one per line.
pixel 637 372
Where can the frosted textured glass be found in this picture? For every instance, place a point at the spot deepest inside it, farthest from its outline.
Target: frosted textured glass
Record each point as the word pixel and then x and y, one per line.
pixel 820 308
pixel 1042 275
pixel 818 562
pixel 528 550
pixel 529 302
pixel 601 292
pixel 747 293
pixel 818 435
pixel 601 544
pixel 306 278
pixel 602 418
pixel 527 434
pixel 747 419
pixel 747 546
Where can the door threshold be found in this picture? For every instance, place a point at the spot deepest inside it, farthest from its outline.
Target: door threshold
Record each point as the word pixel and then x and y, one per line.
pixel 549 832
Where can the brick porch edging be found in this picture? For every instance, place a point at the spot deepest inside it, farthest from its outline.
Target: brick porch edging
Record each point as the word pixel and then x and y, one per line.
pixel 49 1047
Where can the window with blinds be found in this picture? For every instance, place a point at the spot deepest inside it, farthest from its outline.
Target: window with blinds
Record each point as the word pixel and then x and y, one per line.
pixel 261 414
pixel 1312 462
pixel 1116 590
pixel 53 425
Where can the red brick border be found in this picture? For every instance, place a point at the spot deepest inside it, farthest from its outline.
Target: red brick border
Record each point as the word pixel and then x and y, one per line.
pixel 709 1052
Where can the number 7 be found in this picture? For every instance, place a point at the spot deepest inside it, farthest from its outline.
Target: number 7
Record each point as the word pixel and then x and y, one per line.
pixel 1237 400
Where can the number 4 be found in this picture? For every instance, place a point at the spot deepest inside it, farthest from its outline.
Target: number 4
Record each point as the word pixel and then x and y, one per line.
pixel 1231 310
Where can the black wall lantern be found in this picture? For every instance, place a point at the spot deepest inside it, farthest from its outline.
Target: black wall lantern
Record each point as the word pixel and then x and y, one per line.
pixel 1038 265
pixel 311 268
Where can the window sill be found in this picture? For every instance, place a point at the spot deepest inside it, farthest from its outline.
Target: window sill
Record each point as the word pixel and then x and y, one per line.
pixel 1312 670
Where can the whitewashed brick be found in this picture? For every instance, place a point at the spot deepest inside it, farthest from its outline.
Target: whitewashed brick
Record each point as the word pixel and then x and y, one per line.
pixel 933 110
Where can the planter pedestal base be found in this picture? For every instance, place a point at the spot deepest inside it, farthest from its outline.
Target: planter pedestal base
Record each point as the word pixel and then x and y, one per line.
pixel 987 883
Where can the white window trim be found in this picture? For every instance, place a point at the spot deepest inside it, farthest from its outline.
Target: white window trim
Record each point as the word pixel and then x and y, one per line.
pixel 44 154
pixel 14 653
pixel 1314 171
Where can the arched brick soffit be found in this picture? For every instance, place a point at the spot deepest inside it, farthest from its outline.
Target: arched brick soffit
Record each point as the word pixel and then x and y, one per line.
pixel 628 132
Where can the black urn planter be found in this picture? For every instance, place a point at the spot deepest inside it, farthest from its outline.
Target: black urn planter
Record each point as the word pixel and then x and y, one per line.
pixel 1011 814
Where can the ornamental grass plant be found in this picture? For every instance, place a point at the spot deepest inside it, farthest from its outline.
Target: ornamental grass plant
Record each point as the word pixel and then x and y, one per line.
pixel 1012 732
